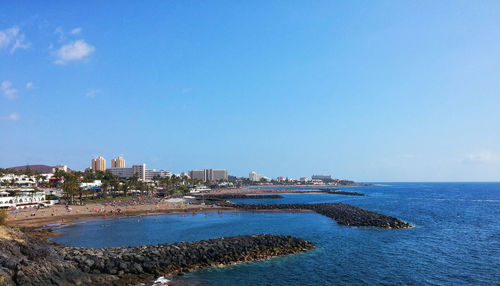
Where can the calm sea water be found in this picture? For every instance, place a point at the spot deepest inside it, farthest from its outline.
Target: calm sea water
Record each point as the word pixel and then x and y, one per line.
pixel 456 240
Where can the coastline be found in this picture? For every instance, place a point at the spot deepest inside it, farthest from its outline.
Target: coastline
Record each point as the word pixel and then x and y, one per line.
pixel 37 222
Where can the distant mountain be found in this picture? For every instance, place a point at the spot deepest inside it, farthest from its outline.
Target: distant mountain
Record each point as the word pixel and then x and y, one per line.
pixel 43 169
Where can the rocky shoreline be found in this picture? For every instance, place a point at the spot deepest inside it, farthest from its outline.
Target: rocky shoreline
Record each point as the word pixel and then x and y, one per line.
pixel 237 196
pixel 342 213
pixel 26 260
pixel 332 192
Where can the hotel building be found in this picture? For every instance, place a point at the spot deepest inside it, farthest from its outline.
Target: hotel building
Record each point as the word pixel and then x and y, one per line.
pixel 99 164
pixel 140 171
pixel 208 175
pixel 118 163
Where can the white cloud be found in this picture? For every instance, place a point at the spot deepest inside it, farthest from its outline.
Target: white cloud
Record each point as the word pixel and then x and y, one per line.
pixel 11 39
pixel 73 51
pixel 92 93
pixel 13 116
pixel 7 90
pixel 76 31
pixel 29 85
pixel 59 31
pixel 480 158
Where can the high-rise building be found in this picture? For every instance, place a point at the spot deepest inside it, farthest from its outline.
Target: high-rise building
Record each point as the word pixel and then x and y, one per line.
pixel 99 164
pixel 208 175
pixel 136 170
pixel 118 163
pixel 216 175
pixel 197 174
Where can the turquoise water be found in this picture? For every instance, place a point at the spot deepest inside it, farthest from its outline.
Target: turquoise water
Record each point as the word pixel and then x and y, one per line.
pixel 456 240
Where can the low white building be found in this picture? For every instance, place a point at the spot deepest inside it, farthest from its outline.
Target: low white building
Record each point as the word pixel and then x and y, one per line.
pixel 21 199
pixel 90 185
pixel 254 177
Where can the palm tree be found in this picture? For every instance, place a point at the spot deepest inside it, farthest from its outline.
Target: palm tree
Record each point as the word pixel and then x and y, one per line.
pixel 71 188
pixel 104 187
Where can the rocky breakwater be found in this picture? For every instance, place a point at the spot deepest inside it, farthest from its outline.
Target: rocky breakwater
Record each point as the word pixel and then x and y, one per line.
pixel 25 260
pixel 182 256
pixel 237 196
pixel 342 213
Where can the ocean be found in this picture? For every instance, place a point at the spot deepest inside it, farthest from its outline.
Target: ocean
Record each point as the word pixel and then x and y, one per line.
pixel 455 241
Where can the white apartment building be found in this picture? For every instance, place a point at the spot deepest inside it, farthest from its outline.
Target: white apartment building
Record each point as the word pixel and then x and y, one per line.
pixel 254 177
pixel 94 184
pixel 21 199
pixel 139 170
pixel 150 174
pixel 60 167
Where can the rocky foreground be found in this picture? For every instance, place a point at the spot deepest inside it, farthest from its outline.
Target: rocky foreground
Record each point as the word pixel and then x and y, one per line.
pixel 342 213
pixel 26 260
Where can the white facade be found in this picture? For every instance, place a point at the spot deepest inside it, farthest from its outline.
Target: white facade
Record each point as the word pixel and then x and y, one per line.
pixel 94 184
pixel 60 167
pixel 254 177
pixel 21 200
pixel 150 174
pixel 139 170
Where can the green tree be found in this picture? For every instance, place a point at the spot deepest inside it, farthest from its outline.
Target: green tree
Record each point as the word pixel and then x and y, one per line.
pixel 71 188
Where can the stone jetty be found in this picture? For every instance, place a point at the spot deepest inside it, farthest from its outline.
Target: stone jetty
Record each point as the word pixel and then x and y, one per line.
pixel 26 260
pixel 342 213
pixel 237 196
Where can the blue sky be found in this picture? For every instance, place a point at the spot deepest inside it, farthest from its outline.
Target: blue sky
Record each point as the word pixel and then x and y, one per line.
pixel 365 90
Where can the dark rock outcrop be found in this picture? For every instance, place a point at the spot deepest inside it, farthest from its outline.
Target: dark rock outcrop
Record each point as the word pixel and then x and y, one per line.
pixel 342 213
pixel 237 196
pixel 32 261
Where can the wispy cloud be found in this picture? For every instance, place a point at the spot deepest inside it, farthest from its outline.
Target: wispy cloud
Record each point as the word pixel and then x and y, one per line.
pixel 7 90
pixel 480 158
pixel 76 31
pixel 29 85
pixel 11 39
pixel 92 93
pixel 59 32
pixel 13 116
pixel 73 51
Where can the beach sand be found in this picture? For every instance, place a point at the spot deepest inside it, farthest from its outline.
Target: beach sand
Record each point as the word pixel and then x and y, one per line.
pixel 61 214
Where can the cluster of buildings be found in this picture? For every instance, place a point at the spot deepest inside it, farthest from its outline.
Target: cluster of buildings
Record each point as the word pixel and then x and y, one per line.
pixel 119 169
pixel 315 179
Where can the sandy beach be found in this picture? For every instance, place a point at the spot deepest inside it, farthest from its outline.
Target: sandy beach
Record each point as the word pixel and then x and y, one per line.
pixel 115 208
